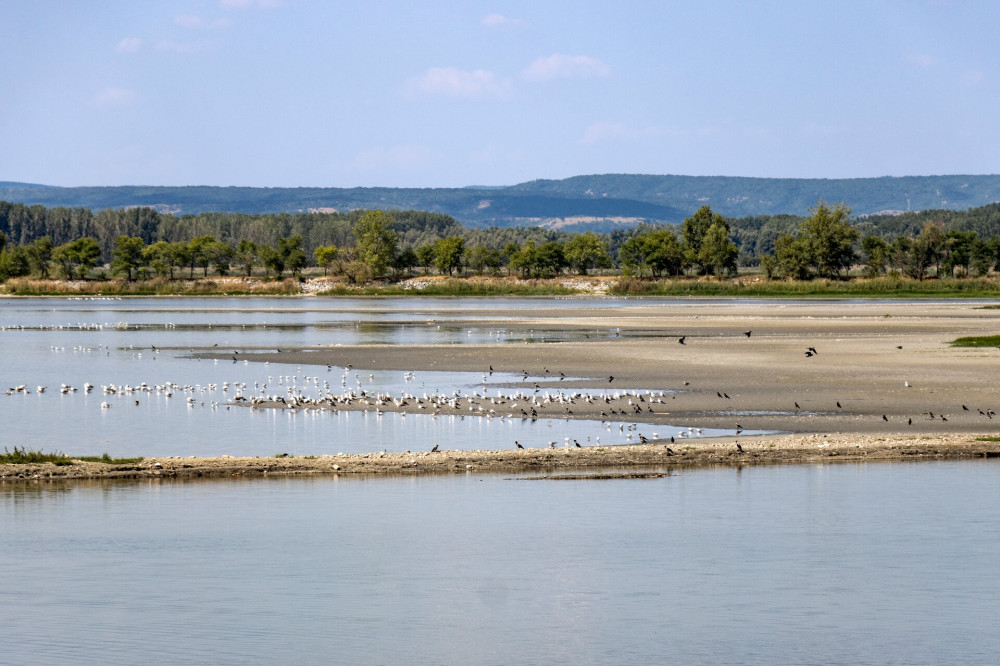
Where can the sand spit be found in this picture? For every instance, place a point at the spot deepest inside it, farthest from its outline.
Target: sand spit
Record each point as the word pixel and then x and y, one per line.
pixel 639 461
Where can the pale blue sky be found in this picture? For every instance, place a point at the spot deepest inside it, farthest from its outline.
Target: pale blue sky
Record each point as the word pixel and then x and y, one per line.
pixel 444 94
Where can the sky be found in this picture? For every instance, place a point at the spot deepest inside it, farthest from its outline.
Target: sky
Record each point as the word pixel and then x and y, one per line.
pixel 300 93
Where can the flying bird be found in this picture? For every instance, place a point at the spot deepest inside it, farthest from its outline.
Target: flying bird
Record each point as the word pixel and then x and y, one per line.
pixel 747 333
pixel 682 339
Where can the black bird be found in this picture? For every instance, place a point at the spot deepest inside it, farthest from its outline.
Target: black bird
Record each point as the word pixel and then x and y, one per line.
pixel 747 333
pixel 838 405
pixel 943 418
pixel 577 444
pixel 964 408
pixel 909 421
pixel 682 338
pixel 518 444
pixel 813 350
pixel 726 396
pixel 718 394
pixel 797 406
pixel 739 448
pixel 670 451
pixel 671 439
pixel 434 450
pixel 885 418
pixel 491 369
pixel 611 379
pixel 808 354
pixel 899 346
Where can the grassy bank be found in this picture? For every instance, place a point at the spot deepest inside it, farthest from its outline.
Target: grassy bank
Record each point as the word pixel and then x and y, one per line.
pixel 887 287
pixel 747 286
pixel 155 287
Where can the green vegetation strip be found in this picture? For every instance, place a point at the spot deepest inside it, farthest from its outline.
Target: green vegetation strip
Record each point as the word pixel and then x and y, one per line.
pixel 23 456
pixel 977 341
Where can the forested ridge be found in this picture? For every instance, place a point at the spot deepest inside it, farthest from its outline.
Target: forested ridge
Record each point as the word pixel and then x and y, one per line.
pixel 601 201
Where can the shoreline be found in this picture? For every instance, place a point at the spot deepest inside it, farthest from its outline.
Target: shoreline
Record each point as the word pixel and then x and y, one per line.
pixel 598 462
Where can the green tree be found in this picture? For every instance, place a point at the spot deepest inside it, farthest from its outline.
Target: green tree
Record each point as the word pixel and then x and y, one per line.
pixel 404 261
pixel 695 229
pixel 78 257
pixel 448 254
pixel 480 258
pixel 292 256
pixel 127 256
pixel 792 256
pixel 246 256
pixel 632 256
pixel 425 256
pixel 585 251
pixel 40 256
pixel 876 251
pixel 376 242
pixel 326 256
pixel 158 257
pixel 830 238
pixel 180 255
pixel 549 260
pixel 220 254
pixel 717 252
pixel 272 260
pixel 198 253
pixel 14 262
pixel 663 253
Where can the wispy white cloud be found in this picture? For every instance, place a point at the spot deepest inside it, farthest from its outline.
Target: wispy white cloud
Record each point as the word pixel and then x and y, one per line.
pixel 167 46
pixel 922 60
pixel 129 45
pixel 407 156
pixel 193 22
pixel 113 97
pixel 972 77
pixel 501 21
pixel 559 66
pixel 454 82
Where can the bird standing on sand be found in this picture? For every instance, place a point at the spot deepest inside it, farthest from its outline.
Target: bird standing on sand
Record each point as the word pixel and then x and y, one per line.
pixel 435 449
pixel 518 444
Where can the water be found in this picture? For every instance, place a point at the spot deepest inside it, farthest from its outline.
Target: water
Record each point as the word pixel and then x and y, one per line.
pixel 876 564
pixel 887 563
pixel 127 342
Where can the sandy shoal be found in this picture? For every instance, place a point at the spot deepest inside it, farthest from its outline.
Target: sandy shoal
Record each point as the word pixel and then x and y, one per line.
pixel 889 365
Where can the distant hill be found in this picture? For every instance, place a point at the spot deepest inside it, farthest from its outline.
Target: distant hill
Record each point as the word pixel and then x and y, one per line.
pixel 595 202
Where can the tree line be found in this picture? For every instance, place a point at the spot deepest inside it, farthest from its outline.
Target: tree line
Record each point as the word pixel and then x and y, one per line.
pixel 366 244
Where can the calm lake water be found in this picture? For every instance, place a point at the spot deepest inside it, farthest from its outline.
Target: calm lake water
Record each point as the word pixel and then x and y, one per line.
pixel 875 564
pixel 848 564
